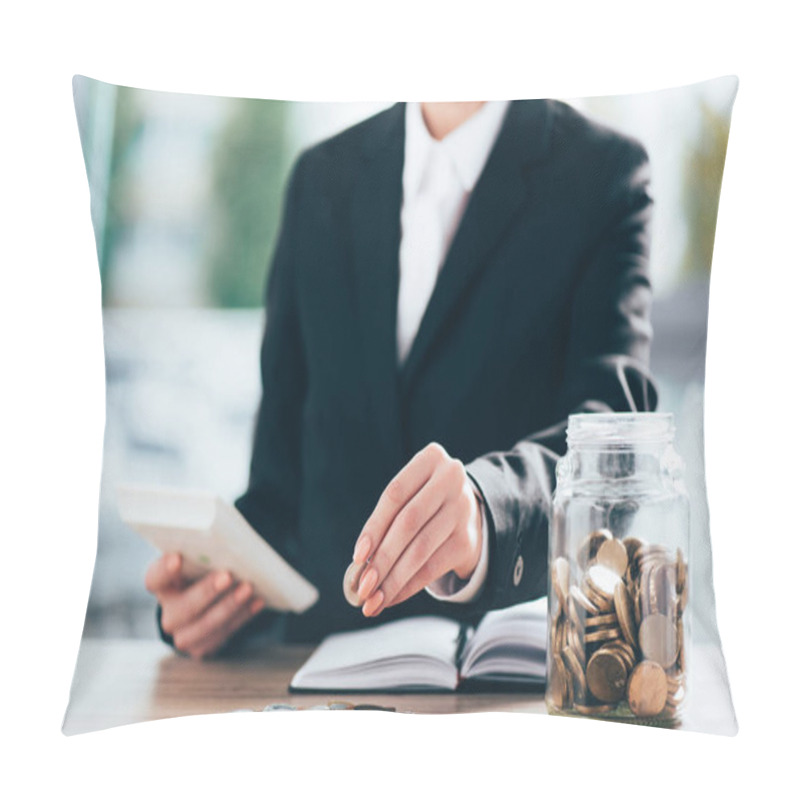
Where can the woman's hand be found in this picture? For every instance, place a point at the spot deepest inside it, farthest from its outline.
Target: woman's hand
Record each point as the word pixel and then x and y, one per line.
pixel 426 523
pixel 200 615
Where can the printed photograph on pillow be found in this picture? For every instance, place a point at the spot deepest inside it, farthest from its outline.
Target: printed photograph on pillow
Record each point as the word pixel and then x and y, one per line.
pixel 404 406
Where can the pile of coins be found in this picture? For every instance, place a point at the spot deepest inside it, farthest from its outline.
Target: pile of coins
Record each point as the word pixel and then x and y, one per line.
pixel 616 630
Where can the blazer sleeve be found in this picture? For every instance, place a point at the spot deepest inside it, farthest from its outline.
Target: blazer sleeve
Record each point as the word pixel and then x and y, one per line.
pixel 605 369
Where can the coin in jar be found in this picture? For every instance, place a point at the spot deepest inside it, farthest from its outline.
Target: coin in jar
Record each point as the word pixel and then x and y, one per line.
pixel 613 555
pixel 560 579
pixel 594 710
pixel 606 676
pixel 588 549
pixel 602 635
pixel 602 580
pixel 574 667
pixel 350 583
pixel 623 606
pixel 559 683
pixel 581 600
pixel 658 640
pixel 647 689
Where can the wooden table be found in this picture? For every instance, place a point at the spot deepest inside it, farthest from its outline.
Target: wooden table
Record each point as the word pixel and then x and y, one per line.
pixel 121 681
pixel 118 682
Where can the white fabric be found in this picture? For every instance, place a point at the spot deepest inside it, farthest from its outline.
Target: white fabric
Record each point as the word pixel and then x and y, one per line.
pixel 438 178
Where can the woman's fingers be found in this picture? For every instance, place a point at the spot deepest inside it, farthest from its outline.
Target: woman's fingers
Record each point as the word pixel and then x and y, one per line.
pixel 395 496
pixel 179 609
pixel 433 569
pixel 407 525
pixel 419 551
pixel 209 632
pixel 164 574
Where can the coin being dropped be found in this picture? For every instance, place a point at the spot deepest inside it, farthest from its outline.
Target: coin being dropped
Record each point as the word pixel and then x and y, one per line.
pixel 350 583
pixel 647 689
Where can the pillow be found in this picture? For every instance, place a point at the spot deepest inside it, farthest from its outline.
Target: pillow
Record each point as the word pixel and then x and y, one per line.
pixel 550 257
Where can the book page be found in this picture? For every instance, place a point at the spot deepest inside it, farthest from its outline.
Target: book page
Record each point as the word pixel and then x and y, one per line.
pixel 418 652
pixel 509 643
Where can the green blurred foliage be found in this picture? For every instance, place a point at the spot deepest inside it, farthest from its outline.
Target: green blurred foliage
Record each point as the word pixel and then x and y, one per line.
pixel 702 181
pixel 249 170
pixel 128 125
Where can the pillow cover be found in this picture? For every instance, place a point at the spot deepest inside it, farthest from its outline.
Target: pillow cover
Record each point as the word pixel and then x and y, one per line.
pixel 544 257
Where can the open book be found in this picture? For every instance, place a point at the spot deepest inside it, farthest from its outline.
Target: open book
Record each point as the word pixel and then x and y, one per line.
pixel 423 654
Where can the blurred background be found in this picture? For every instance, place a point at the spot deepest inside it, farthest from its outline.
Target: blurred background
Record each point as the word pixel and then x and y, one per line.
pixel 186 194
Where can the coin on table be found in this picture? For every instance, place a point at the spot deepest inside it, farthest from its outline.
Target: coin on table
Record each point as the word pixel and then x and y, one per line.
pixel 613 555
pixel 658 640
pixel 623 605
pixel 350 583
pixel 647 689
pixel 606 676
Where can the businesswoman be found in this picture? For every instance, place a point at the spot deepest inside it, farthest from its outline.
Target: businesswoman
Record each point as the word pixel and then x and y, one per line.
pixel 451 281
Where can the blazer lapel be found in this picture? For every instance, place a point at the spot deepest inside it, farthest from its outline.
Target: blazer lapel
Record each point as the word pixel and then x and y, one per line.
pixel 499 193
pixel 375 223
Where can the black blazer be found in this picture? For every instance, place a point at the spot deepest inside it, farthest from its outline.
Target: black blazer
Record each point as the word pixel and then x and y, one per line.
pixel 541 309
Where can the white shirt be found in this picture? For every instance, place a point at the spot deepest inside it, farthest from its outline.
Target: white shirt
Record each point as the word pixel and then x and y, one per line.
pixel 438 179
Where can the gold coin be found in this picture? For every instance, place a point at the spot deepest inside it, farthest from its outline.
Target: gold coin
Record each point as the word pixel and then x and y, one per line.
pixel 602 580
pixel 558 683
pixel 632 546
pixel 625 651
pixel 600 620
pixel 575 613
pixel 591 544
pixel 581 600
pixel 594 710
pixel 603 635
pixel 680 572
pixel 606 676
pixel 350 583
pixel 624 611
pixel 557 635
pixel 613 555
pixel 647 689
pixel 559 575
pixel 658 640
pixel 644 590
pixel 603 603
pixel 576 644
pixel 576 670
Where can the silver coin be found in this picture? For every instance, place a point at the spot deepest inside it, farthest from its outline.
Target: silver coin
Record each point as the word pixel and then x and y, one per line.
pixel 350 583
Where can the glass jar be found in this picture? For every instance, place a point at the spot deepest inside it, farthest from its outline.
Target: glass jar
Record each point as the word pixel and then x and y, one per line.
pixel 618 627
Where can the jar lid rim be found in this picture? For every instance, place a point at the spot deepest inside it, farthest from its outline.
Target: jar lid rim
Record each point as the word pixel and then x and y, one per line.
pixel 620 427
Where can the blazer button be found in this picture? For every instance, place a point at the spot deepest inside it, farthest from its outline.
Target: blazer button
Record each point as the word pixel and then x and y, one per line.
pixel 518 570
